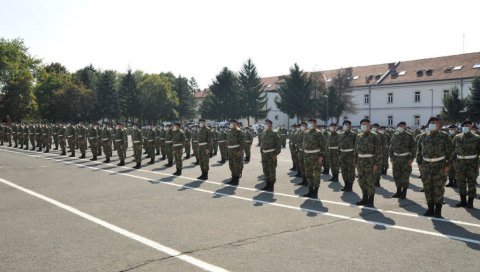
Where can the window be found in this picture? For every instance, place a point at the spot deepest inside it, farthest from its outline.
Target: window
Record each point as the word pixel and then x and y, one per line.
pixel 355 77
pixel 429 72
pixel 446 93
pixel 276 117
pixel 366 99
pixel 377 76
pixel 448 69
pixel 416 120
pixel 402 73
pixel 419 72
pixel 476 66
pixel 459 67
pixel 390 98
pixel 390 120
pixel 417 97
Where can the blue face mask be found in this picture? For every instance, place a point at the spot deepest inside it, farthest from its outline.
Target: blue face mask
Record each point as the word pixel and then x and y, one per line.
pixel 465 129
pixel 432 127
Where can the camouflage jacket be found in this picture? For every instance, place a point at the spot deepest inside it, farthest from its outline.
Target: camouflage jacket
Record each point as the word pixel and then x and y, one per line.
pixel 271 141
pixel 466 144
pixel 248 137
pixel 314 140
pixel 369 143
pixel 401 144
pixel 432 145
pixel 204 137
pixel 137 136
pixel 235 137
pixel 347 140
pixel 178 137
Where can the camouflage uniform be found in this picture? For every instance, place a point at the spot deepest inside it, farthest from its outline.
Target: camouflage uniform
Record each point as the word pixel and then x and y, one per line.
pixel 402 149
pixel 466 150
pixel 188 146
pixel 71 139
pixel 194 136
pixel 386 143
pixel 270 148
pixel 346 144
pixel 368 149
pixel 82 140
pixel 157 141
pixel 62 136
pixel 378 174
pixel 333 154
pixel 120 142
pixel 25 136
pixel 93 141
pixel 248 144
pixel 161 136
pixel 283 136
pixel 14 134
pixel 300 157
pixel 452 181
pixel 47 138
pixel 214 150
pixel 20 135
pixel 106 138
pixel 38 137
pixel 222 144
pixel 178 141
pixel 137 140
pixel 236 146
pixel 314 146
pixel 150 138
pixel 434 153
pixel 205 139
pixel 169 147
pixel 291 147
pixel 55 136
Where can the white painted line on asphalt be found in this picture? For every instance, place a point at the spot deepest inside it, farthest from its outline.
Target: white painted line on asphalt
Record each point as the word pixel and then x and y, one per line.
pixel 408 214
pixel 155 245
pixel 348 218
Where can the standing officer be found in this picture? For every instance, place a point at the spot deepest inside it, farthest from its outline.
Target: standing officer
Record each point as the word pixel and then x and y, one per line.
pixel 466 150
pixel 301 154
pixel 376 130
pixel 137 140
pixel 106 138
pixel 333 152
pixel 368 160
pixel 71 138
pixel 271 147
pixel 55 135
pixel 38 136
pixel 346 145
pixel 25 136
pixel 188 139
pixel 31 135
pixel 195 143
pixel 168 146
pixel 434 157
pixel 215 142
pixel 62 136
pixel 248 143
pixel 47 137
pixel 157 139
pixel 150 137
pixel 386 144
pixel 283 135
pixel 452 180
pixel 178 140
pixel 292 147
pixel 20 135
pixel 222 144
pixel 120 141
pixel 15 136
pixel 82 139
pixel 162 141
pixel 236 146
pixel 402 151
pixel 205 139
pixel 314 148
pixel 93 140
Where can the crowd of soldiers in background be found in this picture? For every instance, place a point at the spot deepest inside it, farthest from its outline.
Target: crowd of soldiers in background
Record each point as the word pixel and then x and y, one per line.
pixel 362 152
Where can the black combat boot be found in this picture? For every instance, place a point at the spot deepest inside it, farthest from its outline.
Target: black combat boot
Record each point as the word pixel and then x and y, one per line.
pixel 82 157
pixel 430 211
pixel 266 187
pixel 157 153
pixel 234 181
pixel 304 182
pixel 348 187
pixel 247 159
pixel 463 201
pixel 169 164
pixel 398 193
pixel 470 202
pixel 197 163
pixel 222 161
pixel 377 183
pixel 450 182
pixel 152 161
pixel 334 178
pixel 33 148
pixel 370 201
pixel 121 163
pixel 314 193
pixel 16 145
pixel 163 158
pixel 438 210
pixel 202 176
pixel 294 167
pixel 187 157
pixel 39 149
pixel 47 151
pixel 107 160
pixel 364 200
pixel 309 193
pixel 138 165
pixel 63 153
pixel 325 171
pixel 26 147
pixel 178 172
pixel 299 174
pixel 56 148
pixel 94 158
pixel 73 154
pixel 404 193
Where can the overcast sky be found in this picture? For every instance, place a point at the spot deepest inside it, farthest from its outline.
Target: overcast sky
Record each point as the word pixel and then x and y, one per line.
pixel 199 37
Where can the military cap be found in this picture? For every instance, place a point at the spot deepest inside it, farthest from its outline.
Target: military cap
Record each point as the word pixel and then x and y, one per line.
pixel 433 119
pixel 347 122
pixel 333 124
pixel 365 120
pixel 452 126
pixel 312 120
pixel 375 125
pixel 466 122
pixel 401 123
pixel 269 121
pixel 201 120
pixel 382 127
pixel 303 123
pixel 176 124
pixel 233 121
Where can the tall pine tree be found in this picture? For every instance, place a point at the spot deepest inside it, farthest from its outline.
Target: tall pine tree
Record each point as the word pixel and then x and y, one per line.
pixel 107 96
pixel 186 105
pixel 129 96
pixel 252 91
pixel 453 107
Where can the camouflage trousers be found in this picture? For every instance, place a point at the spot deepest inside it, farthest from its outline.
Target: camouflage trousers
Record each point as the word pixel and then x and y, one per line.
pixel 137 152
pixel 466 175
pixel 55 140
pixel 378 174
pixel 223 150
pixel 107 148
pixel 177 155
pixel 94 147
pixel 150 148
pixel 334 161
pixel 269 166
pixel 203 158
pixel 63 144
pixel 188 148
pixel 169 152
pixel 366 176
pixel 385 158
pixel 301 162
pixel 248 147
pixel 235 161
pixel 32 140
pixel 121 151
pixel 20 139
pixel 283 138
pixel 214 147
pixel 451 171
pixel 38 140
pixel 15 138
pixel 313 170
pixel 25 140
pixel 71 144
pixel 157 146
pixel 47 141
pixel 401 171
pixel 347 165
pixel 293 154
pixel 163 148
pixel 433 179
pixel 82 144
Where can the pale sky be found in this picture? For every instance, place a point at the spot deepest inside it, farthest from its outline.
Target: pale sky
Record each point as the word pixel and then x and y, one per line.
pixel 199 38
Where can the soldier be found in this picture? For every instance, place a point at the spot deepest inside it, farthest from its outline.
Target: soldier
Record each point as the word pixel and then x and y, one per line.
pixel 271 147
pixel 434 157
pixel 222 144
pixel 188 139
pixel 283 135
pixel 120 141
pixel 368 149
pixel 20 135
pixel 259 133
pixel 301 154
pixel 93 140
pixel 169 146
pixel 376 130
pixel 386 143
pixel 150 138
pixel 82 135
pixel 178 141
pixel 314 148
pixel 137 140
pixel 2 133
pixel 205 139
pixel 236 147
pixel 162 141
pixel 25 136
pixel 71 139
pixel 346 145
pixel 291 147
pixel 99 139
pixel 402 151
pixel 8 135
pixel 248 143
pixel 125 141
pixel 14 134
pixel 31 135
pixel 38 136
pixel 106 137
pixel 333 152
pixel 215 142
pixel 195 143
pixel 55 135
pixel 46 137
pixel 466 150
pixel 62 132
pixel 452 181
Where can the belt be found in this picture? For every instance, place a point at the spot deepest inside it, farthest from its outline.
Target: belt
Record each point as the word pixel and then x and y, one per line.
pixel 162 138
pixel 177 145
pixel 346 150
pixel 300 149
pixel 25 133
pixel 365 155
pixel 333 147
pixel 168 142
pixel 233 146
pixel 104 139
pixel 469 157
pixel 60 135
pixel 150 140
pixel 434 159
pixel 136 142
pixel 35 133
pixel 90 138
pixel 195 141
pixel 202 143
pixel 118 140
pixel 268 150
pixel 55 133
pixel 248 141
pixel 312 151
pixel 70 136
pixel 44 134
pixel 402 154
pixel 222 141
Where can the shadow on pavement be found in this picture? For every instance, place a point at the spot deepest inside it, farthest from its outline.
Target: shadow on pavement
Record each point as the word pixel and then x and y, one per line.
pixel 228 190
pixel 376 216
pixel 313 207
pixel 264 197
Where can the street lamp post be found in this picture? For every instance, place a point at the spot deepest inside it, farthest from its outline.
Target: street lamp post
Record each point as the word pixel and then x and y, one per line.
pixel 431 109
pixel 326 118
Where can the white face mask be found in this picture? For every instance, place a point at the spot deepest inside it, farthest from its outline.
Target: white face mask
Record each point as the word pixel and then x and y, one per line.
pixel 363 127
pixel 374 129
pixel 382 131
pixel 346 127
pixel 465 129
pixel 432 127
pixel 202 124
pixel 232 125
pixel 310 125
pixel 400 129
pixel 323 130
pixel 302 128
pixel 117 127
pixel 451 131
pixel 175 128
pixel 332 129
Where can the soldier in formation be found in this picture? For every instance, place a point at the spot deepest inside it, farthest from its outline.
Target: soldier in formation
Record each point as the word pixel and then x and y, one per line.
pixel 270 148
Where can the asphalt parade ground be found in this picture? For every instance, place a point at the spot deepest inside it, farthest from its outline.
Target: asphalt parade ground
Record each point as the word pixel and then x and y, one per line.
pixel 59 213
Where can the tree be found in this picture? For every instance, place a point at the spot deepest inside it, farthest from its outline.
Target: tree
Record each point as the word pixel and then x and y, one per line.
pixel 223 100
pixel 186 98
pixel 295 94
pixel 50 78
pixel 252 91
pixel 87 76
pixel 453 107
pixel 129 96
pixel 158 99
pixel 16 78
pixel 72 102
pixel 193 85
pixel 107 95
pixel 473 103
